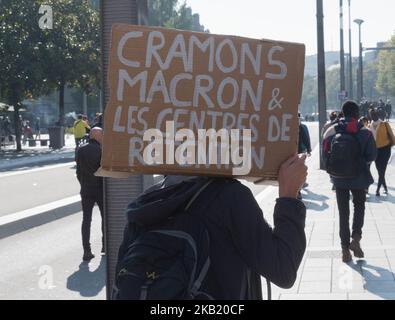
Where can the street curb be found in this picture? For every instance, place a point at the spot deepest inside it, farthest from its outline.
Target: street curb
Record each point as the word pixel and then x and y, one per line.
pixel 23 224
pixel 38 160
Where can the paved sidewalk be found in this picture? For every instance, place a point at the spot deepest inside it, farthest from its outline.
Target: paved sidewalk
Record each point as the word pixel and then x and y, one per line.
pixel 322 274
pixel 30 156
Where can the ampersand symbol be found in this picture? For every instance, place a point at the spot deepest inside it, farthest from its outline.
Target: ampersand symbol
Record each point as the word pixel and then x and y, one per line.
pixel 275 102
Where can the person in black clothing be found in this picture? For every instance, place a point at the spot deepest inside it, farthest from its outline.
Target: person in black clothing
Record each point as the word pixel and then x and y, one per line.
pixel 98 120
pixel 388 109
pixel 88 162
pixel 356 186
pixel 37 128
pixel 243 247
pixel 304 145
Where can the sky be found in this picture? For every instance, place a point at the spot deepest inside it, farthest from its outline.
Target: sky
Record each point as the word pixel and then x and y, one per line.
pixel 295 20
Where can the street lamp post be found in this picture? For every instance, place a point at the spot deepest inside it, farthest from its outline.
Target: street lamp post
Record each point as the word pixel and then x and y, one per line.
pixel 350 85
pixel 342 63
pixel 360 68
pixel 321 72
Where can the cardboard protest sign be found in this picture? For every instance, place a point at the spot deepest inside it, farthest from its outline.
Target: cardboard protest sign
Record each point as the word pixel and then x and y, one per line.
pixel 200 104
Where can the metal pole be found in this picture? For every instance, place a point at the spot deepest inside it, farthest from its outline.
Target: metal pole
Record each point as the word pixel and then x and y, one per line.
pixel 342 63
pixel 321 72
pixel 350 85
pixel 360 61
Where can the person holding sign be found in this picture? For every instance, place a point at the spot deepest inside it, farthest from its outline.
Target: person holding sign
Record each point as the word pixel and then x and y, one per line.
pixel 240 246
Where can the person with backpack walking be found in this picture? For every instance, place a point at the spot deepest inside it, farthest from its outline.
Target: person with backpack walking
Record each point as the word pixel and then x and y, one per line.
pixel 385 139
pixel 205 238
pixel 348 148
pixel 37 128
pixel 88 162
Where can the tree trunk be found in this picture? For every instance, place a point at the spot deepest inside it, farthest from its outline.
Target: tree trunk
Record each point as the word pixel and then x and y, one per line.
pixel 14 102
pixel 61 103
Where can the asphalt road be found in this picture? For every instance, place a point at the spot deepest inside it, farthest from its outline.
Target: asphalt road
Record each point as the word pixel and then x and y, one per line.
pixel 27 189
pixel 46 262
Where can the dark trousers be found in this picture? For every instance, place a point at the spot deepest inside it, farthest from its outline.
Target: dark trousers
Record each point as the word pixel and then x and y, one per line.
pixel 87 206
pixel 343 203
pixel 383 156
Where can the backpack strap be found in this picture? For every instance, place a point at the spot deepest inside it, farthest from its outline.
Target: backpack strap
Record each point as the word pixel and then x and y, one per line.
pixel 205 185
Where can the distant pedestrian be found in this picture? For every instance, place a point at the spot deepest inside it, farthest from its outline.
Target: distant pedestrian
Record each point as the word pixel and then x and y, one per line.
pixel 388 109
pixel 1 126
pixel 348 149
pixel 37 128
pixel 88 162
pixel 7 126
pixel 385 139
pixel 332 118
pixel 304 146
pixel 80 127
pixel 28 131
pixel 364 121
pixel 98 120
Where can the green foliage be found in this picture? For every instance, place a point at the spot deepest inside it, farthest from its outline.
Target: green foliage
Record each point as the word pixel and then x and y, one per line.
pixel 21 47
pixel 35 61
pixel 309 96
pixel 168 13
pixel 161 11
pixel 370 80
pixel 72 52
pixel 386 71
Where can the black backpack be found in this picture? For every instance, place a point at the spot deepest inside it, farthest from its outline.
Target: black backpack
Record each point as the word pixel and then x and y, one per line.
pixel 167 261
pixel 344 159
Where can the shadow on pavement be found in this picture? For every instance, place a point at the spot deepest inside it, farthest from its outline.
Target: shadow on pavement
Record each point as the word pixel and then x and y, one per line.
pixel 88 283
pixel 314 201
pixel 383 198
pixel 376 279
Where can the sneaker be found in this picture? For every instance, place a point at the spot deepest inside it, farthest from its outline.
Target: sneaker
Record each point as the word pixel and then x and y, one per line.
pixel 88 255
pixel 103 251
pixel 355 247
pixel 346 255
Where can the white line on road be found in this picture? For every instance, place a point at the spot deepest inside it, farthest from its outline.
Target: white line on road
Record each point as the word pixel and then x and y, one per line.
pixel 37 210
pixel 68 164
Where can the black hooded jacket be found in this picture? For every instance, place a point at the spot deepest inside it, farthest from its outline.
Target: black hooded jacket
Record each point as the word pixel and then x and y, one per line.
pixel 242 244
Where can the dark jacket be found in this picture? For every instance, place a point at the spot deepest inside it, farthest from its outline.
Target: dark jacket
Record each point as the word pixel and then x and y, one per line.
pixel 242 244
pixel 88 161
pixel 304 144
pixel 368 152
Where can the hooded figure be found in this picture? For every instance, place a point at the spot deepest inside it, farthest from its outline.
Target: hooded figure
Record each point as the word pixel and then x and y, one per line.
pixel 243 246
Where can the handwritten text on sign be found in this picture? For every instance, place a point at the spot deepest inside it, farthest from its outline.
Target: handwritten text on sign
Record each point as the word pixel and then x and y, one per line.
pixel 201 81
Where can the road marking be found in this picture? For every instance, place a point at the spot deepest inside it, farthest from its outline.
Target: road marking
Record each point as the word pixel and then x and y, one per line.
pixel 37 210
pixel 68 164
